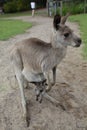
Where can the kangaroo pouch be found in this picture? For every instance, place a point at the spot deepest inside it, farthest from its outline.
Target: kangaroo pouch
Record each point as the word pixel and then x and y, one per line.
pixel 33 77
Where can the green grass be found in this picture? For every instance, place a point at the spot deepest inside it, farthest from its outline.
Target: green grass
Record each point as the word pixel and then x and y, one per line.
pixel 82 21
pixel 9 28
pixel 26 13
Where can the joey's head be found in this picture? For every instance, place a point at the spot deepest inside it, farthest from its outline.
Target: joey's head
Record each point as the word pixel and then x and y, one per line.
pixel 63 35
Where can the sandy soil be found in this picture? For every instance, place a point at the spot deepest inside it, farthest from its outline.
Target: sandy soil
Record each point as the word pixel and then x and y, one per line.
pixel 45 116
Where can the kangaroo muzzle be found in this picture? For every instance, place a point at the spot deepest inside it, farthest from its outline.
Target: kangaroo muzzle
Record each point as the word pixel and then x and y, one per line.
pixel 78 42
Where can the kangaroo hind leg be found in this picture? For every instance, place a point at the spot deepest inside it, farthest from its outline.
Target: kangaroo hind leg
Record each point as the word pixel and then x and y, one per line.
pixel 18 67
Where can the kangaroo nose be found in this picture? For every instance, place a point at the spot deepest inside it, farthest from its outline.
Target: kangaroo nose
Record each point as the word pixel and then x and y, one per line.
pixel 79 40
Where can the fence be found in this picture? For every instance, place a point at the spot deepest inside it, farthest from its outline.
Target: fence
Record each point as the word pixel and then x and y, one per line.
pixel 64 6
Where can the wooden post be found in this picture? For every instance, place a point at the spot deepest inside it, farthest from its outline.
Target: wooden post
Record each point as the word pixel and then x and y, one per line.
pixel 47 6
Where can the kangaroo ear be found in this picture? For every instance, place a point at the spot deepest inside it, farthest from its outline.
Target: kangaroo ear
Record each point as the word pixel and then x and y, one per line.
pixel 64 18
pixel 56 21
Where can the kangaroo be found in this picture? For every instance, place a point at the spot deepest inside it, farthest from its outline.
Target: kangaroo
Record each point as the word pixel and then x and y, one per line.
pixel 33 58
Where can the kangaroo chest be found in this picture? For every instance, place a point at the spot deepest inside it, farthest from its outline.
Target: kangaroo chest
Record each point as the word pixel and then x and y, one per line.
pixel 53 58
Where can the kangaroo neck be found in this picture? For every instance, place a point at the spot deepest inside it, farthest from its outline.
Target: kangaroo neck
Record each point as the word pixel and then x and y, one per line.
pixel 60 51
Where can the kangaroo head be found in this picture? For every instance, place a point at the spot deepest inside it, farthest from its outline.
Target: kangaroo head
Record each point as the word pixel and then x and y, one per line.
pixel 63 35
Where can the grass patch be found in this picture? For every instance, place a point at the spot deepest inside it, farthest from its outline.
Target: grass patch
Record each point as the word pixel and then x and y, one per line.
pixel 26 13
pixel 9 28
pixel 82 21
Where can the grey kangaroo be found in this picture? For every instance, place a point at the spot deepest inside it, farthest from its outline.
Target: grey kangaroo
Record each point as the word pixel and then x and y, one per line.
pixel 33 58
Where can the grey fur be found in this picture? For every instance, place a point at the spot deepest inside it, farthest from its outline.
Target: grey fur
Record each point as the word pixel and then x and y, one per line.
pixel 33 58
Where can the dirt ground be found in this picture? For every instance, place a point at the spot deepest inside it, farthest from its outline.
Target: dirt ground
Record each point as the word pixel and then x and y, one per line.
pixel 70 89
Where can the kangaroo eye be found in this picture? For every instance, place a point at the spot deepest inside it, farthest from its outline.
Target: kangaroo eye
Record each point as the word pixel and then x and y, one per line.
pixel 66 34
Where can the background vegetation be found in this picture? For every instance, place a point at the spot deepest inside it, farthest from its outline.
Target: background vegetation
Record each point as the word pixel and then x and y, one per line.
pixel 9 28
pixel 16 6
pixel 11 6
pixel 74 7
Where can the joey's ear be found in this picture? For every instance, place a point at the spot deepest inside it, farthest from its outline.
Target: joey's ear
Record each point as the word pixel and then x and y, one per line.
pixel 56 21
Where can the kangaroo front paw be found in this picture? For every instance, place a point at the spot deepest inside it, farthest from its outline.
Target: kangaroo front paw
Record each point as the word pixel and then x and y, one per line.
pixel 53 83
pixel 49 87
